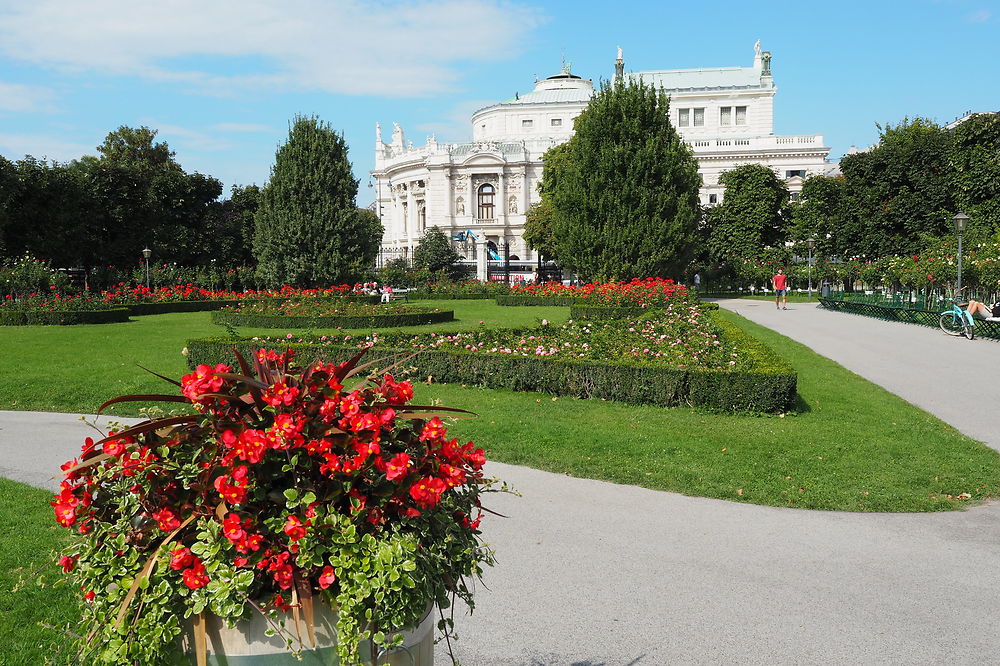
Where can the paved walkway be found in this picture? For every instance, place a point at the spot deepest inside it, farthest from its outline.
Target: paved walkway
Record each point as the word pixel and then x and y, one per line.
pixel 595 574
pixel 955 379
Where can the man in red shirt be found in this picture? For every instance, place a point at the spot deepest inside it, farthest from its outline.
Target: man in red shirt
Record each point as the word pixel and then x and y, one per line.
pixel 780 284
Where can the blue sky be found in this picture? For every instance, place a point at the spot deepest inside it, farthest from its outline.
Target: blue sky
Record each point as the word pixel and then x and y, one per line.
pixel 220 79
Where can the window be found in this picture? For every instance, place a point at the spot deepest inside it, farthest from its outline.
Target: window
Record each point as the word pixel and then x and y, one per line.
pixel 741 115
pixel 527 123
pixel 725 115
pixel 713 198
pixel 801 173
pixel 699 117
pixel 683 117
pixel 794 196
pixel 486 195
pixel 556 122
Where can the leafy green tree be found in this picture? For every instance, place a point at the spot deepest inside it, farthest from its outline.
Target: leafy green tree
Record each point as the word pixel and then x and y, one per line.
pixel 752 216
pixel 818 214
pixel 898 194
pixel 434 252
pixel 236 222
pixel 626 194
pixel 49 212
pixel 975 158
pixel 307 229
pixel 144 198
pixel 539 228
pixel 8 188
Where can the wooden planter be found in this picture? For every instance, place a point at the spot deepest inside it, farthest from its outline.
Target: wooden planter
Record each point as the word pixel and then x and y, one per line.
pixel 247 645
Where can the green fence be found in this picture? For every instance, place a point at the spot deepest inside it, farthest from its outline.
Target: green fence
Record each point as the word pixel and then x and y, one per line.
pixel 904 312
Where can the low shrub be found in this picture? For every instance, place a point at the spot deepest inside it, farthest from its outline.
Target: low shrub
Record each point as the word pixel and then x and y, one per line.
pixel 446 296
pixel 686 358
pixel 529 299
pixel 389 320
pixel 26 317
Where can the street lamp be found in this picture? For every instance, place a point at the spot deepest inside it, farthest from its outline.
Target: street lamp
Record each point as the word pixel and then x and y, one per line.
pixel 811 243
pixel 961 220
pixel 146 253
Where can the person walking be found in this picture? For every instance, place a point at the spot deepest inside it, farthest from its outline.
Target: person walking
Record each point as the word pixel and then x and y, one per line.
pixel 780 284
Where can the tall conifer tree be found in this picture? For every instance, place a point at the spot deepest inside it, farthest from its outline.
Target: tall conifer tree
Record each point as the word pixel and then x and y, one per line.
pixel 308 231
pixel 626 193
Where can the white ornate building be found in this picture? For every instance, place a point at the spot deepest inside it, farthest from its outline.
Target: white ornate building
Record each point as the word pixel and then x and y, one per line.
pixel 484 186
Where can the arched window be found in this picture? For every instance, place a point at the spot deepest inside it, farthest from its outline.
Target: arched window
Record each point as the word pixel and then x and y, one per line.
pixel 486 195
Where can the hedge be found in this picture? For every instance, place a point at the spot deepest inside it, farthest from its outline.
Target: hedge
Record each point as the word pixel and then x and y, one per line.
pixel 536 300
pixel 62 318
pixel 431 296
pixel 357 321
pixel 165 307
pixel 769 388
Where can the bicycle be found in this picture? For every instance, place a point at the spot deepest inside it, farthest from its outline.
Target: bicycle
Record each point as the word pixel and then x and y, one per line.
pixel 957 321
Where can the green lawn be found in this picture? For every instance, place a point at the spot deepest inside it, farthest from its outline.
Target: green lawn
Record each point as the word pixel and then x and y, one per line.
pixel 849 445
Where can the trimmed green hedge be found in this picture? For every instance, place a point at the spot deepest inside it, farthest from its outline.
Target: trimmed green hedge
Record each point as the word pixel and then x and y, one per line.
pixel 176 306
pixel 770 387
pixel 62 318
pixel 431 296
pixel 536 300
pixel 362 321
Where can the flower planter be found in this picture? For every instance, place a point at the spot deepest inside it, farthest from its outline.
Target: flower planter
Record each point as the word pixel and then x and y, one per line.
pixel 247 645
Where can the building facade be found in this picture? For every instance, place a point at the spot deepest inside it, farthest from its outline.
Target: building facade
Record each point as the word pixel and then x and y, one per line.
pixel 478 191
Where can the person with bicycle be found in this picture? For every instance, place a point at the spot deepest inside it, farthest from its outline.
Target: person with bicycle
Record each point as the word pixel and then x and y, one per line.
pixel 983 311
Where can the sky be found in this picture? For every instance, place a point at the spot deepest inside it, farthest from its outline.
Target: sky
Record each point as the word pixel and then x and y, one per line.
pixel 220 79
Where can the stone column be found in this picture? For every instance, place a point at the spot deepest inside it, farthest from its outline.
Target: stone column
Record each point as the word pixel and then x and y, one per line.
pixel 411 218
pixel 482 267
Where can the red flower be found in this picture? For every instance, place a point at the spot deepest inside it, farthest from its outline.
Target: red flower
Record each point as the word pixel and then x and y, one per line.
pixel 396 468
pixel 67 563
pixel 195 577
pixel 433 429
pixel 327 577
pixel 65 513
pixel 427 491
pixel 232 528
pixel 89 596
pixel 294 528
pixel 281 394
pixel 166 519
pixel 181 558
pixel 114 447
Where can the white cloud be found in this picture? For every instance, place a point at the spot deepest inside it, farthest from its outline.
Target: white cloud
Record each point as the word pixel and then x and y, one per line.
pixel 16 146
pixel 188 138
pixel 980 16
pixel 359 47
pixel 19 97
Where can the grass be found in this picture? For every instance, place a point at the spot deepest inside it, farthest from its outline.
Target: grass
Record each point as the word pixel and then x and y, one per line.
pixel 849 446
pixel 26 571
pixel 76 368
pixel 793 297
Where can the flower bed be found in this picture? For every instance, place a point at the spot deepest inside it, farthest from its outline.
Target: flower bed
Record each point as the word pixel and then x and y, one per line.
pixel 681 357
pixel 637 293
pixel 284 489
pixel 314 313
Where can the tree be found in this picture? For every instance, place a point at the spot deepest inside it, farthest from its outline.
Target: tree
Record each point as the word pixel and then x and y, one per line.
pixel 145 198
pixel 434 252
pixel 539 228
pixel 752 215
pixel 975 159
pixel 307 229
pixel 236 222
pixel 818 214
pixel 898 195
pixel 624 188
pixel 8 188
